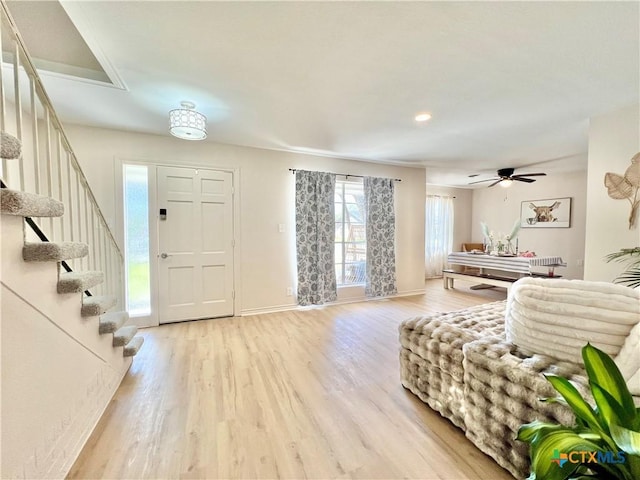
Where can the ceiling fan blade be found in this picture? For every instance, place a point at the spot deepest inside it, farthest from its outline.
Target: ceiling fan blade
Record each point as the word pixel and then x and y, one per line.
pixel 496 182
pixel 482 181
pixel 522 179
pixel 530 175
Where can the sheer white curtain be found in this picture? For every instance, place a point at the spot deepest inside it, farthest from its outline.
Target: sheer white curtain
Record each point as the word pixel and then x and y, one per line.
pixel 438 234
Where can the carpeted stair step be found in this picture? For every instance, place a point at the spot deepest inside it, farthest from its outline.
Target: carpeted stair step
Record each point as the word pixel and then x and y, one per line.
pixel 76 282
pixel 10 146
pixel 97 305
pixel 112 321
pixel 131 348
pixel 53 252
pixel 13 202
pixel 124 335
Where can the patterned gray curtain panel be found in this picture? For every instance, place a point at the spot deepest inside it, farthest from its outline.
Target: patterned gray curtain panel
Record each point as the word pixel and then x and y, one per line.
pixel 381 221
pixel 315 235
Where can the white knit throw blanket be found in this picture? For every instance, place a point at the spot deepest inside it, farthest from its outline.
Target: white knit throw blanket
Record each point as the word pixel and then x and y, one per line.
pixel 558 317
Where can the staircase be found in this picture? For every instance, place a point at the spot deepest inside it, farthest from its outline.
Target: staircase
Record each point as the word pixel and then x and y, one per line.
pixel 65 342
pixel 28 205
pixel 64 353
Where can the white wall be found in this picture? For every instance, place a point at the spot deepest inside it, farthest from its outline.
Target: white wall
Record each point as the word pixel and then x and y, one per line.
pixel 499 208
pixel 266 200
pixel 613 139
pixel 58 373
pixel 462 206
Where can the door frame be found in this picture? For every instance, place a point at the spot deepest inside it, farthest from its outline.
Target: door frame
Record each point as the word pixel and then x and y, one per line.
pixel 152 165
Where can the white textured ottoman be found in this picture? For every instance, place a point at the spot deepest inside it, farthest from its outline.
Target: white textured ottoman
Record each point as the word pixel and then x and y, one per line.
pixel 503 388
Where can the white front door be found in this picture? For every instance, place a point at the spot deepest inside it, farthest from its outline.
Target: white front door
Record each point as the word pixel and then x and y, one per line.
pixel 195 242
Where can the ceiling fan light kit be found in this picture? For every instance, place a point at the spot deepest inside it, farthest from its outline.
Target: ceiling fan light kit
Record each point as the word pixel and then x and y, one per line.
pixel 187 123
pixel 506 178
pixel 423 117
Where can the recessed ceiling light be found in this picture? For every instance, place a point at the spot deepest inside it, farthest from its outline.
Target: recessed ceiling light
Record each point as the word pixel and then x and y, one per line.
pixel 423 117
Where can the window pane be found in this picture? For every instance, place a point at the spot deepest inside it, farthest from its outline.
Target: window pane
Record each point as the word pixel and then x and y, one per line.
pixel 350 267
pixel 354 272
pixel 136 206
pixel 356 233
pixel 339 232
pixel 339 274
pixel 353 190
pixel 355 213
pixel 355 252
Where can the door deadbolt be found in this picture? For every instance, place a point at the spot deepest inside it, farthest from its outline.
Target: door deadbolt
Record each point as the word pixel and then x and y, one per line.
pixel 163 255
pixel 163 214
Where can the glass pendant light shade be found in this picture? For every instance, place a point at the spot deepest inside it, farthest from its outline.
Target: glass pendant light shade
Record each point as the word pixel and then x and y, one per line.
pixel 186 123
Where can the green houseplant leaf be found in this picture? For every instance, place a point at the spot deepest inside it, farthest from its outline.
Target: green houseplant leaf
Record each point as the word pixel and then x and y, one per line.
pixel 604 372
pixel 609 409
pixel 627 440
pixel 604 443
pixel 631 276
pixel 554 444
pixel 527 432
pixel 578 404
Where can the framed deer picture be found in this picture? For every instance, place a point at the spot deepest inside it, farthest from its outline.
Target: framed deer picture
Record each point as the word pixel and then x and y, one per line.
pixel 550 213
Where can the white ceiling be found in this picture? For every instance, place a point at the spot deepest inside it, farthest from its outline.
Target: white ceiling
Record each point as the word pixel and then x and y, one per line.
pixel 509 84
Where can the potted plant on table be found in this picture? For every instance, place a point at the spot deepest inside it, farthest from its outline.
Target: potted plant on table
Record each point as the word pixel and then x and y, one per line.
pixel 604 443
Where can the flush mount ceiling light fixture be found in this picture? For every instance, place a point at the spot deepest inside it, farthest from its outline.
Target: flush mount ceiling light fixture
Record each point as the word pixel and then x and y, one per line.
pixel 187 123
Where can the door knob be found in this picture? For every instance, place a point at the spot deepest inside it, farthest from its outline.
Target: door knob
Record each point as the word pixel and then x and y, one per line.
pixel 163 255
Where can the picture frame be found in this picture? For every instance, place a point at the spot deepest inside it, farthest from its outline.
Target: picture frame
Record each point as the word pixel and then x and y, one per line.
pixel 546 213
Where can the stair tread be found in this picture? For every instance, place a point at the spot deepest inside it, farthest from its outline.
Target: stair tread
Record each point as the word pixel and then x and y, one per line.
pixel 53 251
pixel 97 305
pixel 112 321
pixel 74 282
pixel 10 146
pixel 13 202
pixel 123 335
pixel 133 347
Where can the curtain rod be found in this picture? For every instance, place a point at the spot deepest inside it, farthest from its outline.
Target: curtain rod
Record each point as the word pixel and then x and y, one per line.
pixel 441 196
pixel 294 170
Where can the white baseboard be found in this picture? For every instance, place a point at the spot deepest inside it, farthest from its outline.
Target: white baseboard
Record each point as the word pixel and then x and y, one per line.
pixel 274 309
pixel 289 307
pixel 408 293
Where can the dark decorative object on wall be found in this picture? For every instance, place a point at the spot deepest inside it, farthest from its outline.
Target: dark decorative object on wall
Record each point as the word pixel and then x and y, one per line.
pixel 627 186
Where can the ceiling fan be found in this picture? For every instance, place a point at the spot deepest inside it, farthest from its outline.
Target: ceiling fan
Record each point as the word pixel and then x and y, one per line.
pixel 506 177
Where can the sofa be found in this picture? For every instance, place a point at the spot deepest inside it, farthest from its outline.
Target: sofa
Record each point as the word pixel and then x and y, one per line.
pixel 483 367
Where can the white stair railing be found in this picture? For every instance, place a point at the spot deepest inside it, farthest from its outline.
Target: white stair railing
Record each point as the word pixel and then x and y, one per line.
pixel 49 166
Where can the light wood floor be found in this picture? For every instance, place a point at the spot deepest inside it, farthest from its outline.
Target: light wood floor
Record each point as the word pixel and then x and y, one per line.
pixel 301 394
